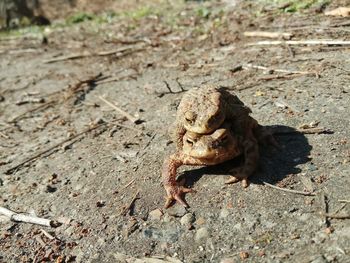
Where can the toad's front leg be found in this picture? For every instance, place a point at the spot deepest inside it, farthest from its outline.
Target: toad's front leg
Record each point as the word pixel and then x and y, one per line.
pixel 251 158
pixel 174 191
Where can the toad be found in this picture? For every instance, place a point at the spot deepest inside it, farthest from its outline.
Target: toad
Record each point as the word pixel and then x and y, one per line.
pixel 217 128
pixel 203 109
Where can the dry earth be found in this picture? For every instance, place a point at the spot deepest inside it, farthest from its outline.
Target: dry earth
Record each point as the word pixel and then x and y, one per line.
pixel 98 173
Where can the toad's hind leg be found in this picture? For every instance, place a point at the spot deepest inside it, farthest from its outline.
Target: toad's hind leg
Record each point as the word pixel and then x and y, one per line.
pixel 251 157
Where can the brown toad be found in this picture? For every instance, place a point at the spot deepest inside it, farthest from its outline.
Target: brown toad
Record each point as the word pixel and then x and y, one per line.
pixel 203 110
pixel 226 134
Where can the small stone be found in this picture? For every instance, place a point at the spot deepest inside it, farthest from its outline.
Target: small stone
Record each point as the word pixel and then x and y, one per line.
pixel 200 221
pixel 187 219
pixel 243 255
pixel 227 260
pixel 224 213
pixel 100 203
pixel 50 189
pixel 319 259
pixel 177 211
pixel 69 231
pixel 201 234
pixel 155 214
pixel 329 230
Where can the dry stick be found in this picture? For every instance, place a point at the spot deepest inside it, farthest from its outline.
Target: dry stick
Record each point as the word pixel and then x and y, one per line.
pixel 124 113
pixel 126 209
pixel 315 131
pixel 325 206
pixel 128 184
pixel 289 190
pixel 43 106
pixel 344 201
pixel 335 216
pixel 324 42
pixel 281 77
pixel 102 53
pixel 249 66
pixel 49 236
pixel 268 34
pixel 112 79
pixel 4 135
pixel 12 169
pixel 26 218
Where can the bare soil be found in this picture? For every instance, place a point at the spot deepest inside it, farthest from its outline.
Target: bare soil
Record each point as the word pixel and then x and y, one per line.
pixel 98 173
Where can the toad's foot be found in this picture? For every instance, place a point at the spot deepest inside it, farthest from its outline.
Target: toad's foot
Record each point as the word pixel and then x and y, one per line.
pixel 234 179
pixel 238 175
pixel 175 193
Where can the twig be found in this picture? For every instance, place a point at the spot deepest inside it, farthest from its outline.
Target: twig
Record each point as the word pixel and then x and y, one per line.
pixel 249 66
pixel 324 204
pixel 12 169
pixel 335 216
pixel 26 218
pixel 112 79
pixel 4 135
pixel 323 42
pixel 49 236
pixel 315 131
pixel 43 106
pixel 289 190
pixel 128 127
pixel 128 184
pixel 268 34
pixel 126 209
pixel 101 53
pixel 344 201
pixel 278 131
pixel 124 113
pixel 288 76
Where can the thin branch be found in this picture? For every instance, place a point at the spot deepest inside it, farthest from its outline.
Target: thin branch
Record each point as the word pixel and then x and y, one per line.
pixel 289 190
pixel 315 131
pixel 268 34
pixel 20 116
pixel 128 184
pixel 323 42
pixel 48 235
pixel 4 135
pixel 15 217
pixel 344 201
pixel 335 216
pixel 249 66
pixel 124 113
pixel 123 50
pixel 14 168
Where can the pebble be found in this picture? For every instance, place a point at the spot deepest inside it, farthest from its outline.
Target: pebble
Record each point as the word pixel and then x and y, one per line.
pixel 227 260
pixel 201 234
pixel 170 235
pixel 155 214
pixel 224 213
pixel 200 221
pixel 319 259
pixel 177 211
pixel 187 219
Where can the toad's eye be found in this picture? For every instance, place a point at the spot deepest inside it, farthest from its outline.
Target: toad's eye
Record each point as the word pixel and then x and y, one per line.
pixel 189 142
pixel 190 121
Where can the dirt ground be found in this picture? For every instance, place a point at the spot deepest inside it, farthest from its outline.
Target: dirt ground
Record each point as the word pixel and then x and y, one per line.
pixel 66 155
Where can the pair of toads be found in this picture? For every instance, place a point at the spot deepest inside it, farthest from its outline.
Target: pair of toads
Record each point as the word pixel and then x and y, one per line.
pixel 213 126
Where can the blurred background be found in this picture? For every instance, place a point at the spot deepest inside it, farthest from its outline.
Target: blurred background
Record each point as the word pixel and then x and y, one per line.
pixel 17 13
